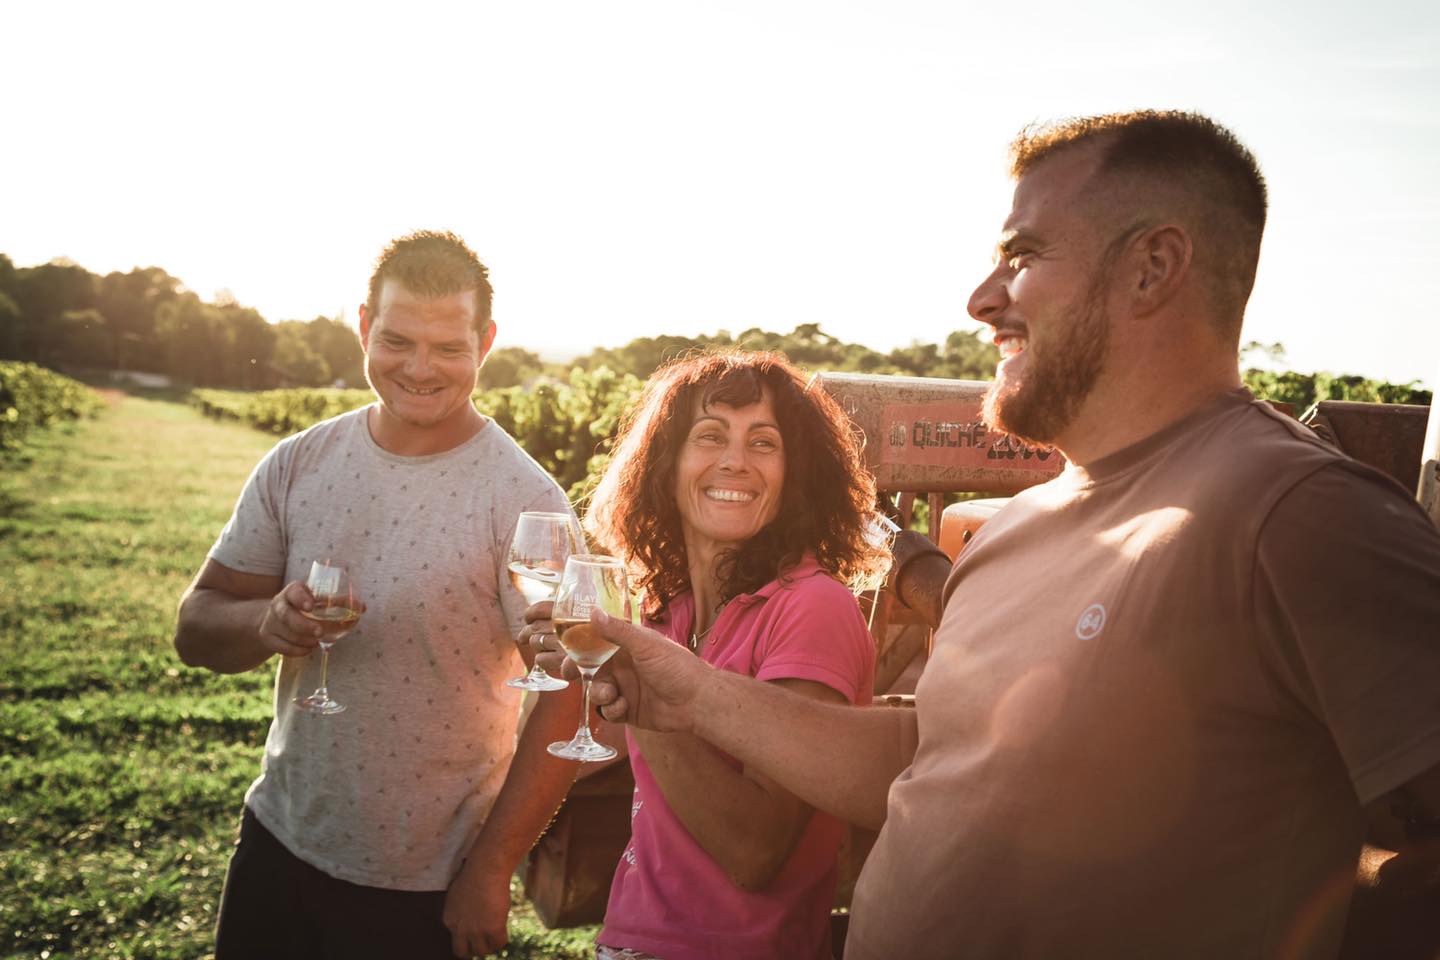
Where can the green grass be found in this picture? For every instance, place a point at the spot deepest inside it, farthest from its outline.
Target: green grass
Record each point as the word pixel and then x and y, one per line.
pixel 121 771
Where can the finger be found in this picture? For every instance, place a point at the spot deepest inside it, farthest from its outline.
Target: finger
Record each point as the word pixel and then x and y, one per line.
pixel 297 595
pixel 284 647
pixel 539 611
pixel 617 711
pixel 552 663
pixel 603 691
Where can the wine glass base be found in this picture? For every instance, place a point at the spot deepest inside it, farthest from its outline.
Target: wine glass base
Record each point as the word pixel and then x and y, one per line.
pixel 584 751
pixel 320 705
pixel 540 685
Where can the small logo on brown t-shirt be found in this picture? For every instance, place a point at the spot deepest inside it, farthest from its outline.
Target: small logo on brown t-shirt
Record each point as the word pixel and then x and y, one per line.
pixel 1091 622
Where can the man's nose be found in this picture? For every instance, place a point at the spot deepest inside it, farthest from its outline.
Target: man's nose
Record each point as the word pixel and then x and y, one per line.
pixel 989 299
pixel 418 363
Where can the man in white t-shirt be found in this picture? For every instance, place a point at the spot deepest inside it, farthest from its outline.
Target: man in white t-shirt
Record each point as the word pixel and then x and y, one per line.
pixel 392 828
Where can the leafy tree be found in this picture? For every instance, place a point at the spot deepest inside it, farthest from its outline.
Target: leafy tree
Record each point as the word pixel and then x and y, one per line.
pixel 83 338
pixel 510 367
pixel 192 341
pixel 12 332
pixel 339 346
pixel 44 294
pixel 129 302
pixel 250 345
pixel 294 361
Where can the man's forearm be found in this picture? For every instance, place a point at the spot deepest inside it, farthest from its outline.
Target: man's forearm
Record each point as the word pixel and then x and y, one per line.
pixel 220 632
pixel 533 790
pixel 840 759
pixel 919 575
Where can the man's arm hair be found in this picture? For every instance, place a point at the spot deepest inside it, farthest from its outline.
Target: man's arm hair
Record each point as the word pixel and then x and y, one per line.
pixel 835 757
pixel 218 625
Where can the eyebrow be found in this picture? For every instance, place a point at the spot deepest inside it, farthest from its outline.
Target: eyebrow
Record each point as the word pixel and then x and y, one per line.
pixel 1011 239
pixel 458 343
pixel 726 423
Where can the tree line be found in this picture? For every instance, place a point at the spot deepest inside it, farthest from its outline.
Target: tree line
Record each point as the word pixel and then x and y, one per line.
pixel 62 316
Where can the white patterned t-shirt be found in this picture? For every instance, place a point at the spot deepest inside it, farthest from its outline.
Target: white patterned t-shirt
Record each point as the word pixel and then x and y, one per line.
pixel 392 792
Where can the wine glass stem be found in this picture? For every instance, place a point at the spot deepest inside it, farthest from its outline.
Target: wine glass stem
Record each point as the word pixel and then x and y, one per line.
pixel 585 711
pixel 325 669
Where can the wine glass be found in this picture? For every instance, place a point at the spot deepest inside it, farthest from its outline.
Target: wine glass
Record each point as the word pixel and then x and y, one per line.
pixel 542 543
pixel 589 582
pixel 337 611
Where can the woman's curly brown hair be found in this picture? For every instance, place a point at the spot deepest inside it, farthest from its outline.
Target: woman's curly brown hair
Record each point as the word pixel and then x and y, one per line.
pixel 825 504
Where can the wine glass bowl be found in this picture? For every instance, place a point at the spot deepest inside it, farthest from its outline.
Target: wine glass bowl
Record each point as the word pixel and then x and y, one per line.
pixel 590 583
pixel 538 551
pixel 336 609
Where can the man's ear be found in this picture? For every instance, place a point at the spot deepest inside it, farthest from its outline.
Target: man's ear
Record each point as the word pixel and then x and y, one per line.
pixel 486 342
pixel 1162 258
pixel 364 330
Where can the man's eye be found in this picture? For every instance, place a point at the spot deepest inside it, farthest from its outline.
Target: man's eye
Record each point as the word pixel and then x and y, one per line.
pixel 1018 260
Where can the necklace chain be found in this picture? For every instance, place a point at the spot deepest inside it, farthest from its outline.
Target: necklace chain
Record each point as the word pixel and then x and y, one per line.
pixel 695 638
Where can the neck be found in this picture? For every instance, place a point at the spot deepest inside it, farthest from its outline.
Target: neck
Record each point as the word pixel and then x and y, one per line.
pixel 704 584
pixel 409 440
pixel 1123 410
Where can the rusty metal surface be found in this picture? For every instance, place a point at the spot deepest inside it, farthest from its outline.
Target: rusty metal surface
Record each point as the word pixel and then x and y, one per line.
pixel 1387 436
pixel 924 434
pixel 568 872
pixel 963 520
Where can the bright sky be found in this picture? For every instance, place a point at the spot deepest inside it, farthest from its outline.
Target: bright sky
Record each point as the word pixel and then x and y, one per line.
pixel 638 168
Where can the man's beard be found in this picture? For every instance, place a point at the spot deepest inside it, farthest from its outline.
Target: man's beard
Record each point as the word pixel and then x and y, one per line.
pixel 1060 375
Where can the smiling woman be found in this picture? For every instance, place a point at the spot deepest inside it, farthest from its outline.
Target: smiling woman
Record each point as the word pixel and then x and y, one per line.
pixel 738 497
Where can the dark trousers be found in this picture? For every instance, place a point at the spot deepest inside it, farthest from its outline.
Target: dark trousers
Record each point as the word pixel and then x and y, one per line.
pixel 276 905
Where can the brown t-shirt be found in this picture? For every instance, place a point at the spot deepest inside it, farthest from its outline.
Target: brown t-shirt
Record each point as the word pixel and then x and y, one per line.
pixel 1160 692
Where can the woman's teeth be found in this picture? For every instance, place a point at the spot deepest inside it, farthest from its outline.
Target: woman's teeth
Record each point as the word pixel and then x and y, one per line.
pixel 734 496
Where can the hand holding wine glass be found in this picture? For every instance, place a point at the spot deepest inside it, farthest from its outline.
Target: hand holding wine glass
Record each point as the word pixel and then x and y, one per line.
pixel 542 544
pixel 336 610
pixel 590 582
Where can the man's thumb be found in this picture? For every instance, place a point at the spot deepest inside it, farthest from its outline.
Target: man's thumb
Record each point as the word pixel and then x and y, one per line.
pixel 617 631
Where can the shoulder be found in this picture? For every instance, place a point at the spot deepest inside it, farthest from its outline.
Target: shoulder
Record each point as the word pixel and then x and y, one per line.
pixel 806 593
pixel 319 437
pixel 1344 503
pixel 506 457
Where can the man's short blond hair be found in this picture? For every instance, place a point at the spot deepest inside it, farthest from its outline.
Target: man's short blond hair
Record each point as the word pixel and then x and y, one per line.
pixel 431 263
pixel 1185 162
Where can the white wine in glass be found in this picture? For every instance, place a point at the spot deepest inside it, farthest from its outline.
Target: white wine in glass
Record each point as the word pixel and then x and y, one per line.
pixel 589 583
pixel 337 611
pixel 542 544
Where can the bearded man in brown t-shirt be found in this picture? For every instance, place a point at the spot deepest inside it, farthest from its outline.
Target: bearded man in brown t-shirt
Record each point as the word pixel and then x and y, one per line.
pixel 1167 684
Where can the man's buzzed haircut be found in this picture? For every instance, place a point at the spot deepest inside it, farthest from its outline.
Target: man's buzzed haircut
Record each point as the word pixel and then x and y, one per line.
pixel 432 263
pixel 1185 155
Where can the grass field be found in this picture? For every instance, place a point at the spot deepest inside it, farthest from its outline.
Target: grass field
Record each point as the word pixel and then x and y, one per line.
pixel 121 771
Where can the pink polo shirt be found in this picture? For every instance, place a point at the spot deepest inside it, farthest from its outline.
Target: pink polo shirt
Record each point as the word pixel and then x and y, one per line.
pixel 669 898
